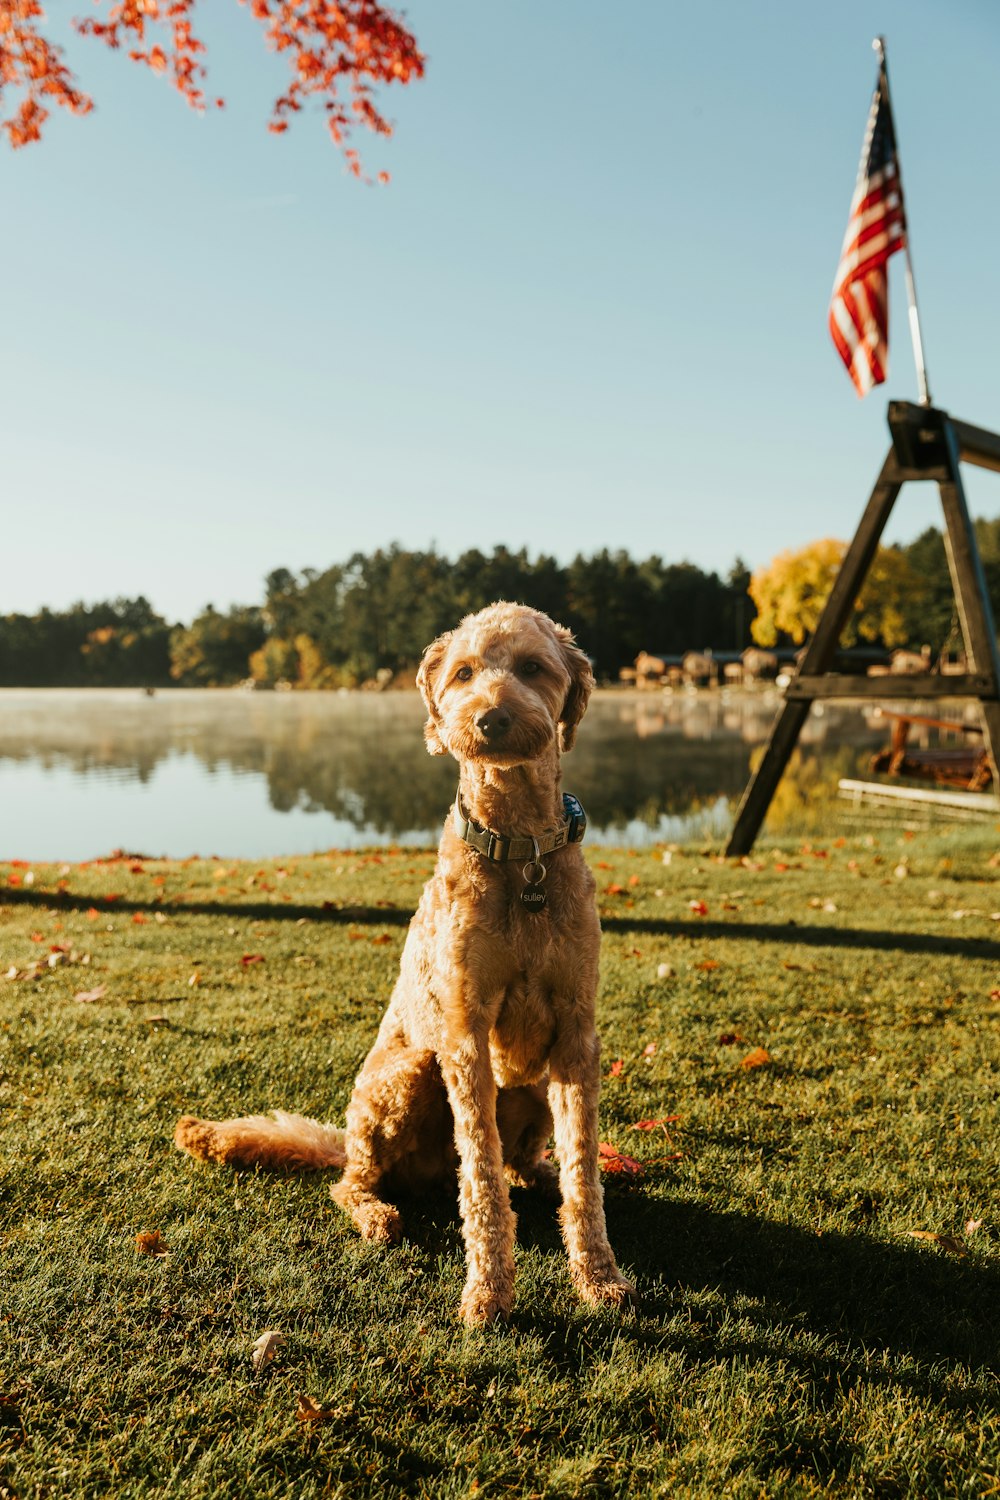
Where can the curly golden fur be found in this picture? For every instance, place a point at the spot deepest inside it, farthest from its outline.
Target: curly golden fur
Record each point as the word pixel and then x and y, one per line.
pixel 488 1045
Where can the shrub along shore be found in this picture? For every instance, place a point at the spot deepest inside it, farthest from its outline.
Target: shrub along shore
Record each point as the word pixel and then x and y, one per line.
pixel 800 1108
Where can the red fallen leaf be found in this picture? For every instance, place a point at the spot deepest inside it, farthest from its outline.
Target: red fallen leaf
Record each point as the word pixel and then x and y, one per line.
pixel 19 864
pixel 730 1038
pixel 139 917
pixel 251 958
pixel 655 1124
pixel 611 890
pixel 93 915
pixel 616 1067
pixel 38 937
pixel 613 1161
pixel 150 1243
pixel 995 994
pixel 633 880
pixel 699 908
pixel 14 880
pixel 87 996
pixel 602 864
pixel 758 1058
pixel 137 869
pixel 383 937
pixel 159 880
pixel 709 963
pixel 308 1410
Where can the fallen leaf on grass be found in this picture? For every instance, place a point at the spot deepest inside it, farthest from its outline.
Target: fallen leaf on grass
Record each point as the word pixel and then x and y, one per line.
pixel 251 958
pixel 758 1058
pixel 616 1068
pixel 613 1161
pixel 149 1243
pixel 87 996
pixel 266 1348
pixel 655 1124
pixel 308 1411
pixel 950 1242
pixel 730 1038
pixel 699 908
pixel 708 964
pixel 649 1050
pixel 971 1225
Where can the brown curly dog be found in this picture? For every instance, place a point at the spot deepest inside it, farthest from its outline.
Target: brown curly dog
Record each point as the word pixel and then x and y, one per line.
pixel 488 1045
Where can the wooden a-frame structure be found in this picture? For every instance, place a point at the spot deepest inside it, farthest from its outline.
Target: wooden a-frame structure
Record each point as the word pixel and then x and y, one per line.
pixel 927 444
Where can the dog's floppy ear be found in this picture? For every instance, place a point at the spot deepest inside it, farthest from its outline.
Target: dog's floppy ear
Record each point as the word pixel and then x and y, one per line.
pixel 430 665
pixel 581 686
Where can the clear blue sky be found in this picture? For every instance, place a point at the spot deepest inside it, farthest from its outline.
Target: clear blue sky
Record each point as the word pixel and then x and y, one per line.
pixel 589 310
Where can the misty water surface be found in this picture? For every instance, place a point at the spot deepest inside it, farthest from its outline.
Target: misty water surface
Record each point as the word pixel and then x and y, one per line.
pixel 236 774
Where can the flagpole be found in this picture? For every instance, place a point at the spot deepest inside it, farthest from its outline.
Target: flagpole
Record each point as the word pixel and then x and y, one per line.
pixel 911 290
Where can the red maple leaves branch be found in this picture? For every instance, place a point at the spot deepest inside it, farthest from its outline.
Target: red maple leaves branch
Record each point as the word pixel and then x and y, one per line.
pixel 338 51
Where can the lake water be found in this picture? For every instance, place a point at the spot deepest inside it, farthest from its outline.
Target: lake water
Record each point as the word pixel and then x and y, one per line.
pixel 249 775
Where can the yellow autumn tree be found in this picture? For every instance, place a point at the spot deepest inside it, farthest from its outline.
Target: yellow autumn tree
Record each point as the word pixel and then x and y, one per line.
pixel 791 591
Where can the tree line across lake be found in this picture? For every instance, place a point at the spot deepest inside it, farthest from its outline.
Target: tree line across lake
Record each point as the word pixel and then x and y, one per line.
pixel 368 619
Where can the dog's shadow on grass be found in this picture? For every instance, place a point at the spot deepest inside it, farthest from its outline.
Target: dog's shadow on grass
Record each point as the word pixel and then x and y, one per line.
pixel 905 1298
pixel 852 1288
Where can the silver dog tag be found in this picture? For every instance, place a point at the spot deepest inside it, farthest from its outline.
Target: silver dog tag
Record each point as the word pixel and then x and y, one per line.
pixel 533 898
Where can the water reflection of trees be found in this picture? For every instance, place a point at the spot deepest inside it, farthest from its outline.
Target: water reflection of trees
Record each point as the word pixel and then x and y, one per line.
pixel 361 758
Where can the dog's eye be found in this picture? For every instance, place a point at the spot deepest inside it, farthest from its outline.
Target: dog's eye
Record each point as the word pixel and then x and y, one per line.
pixel 530 668
pixel 463 674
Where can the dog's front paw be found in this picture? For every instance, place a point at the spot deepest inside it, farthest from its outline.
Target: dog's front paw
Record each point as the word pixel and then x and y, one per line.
pixel 607 1285
pixel 483 1304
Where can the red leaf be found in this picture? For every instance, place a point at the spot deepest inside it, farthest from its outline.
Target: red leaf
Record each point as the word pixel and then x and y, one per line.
pixel 616 1068
pixel 655 1124
pixel 699 908
pixel 758 1058
pixel 251 958
pixel 612 1160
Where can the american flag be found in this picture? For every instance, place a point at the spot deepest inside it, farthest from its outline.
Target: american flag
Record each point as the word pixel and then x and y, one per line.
pixel 876 229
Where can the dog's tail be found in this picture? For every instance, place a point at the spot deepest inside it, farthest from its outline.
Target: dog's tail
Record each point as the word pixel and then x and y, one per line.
pixel 279 1142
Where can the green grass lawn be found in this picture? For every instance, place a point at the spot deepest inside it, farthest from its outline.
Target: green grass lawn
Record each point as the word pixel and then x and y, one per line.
pixel 793 1336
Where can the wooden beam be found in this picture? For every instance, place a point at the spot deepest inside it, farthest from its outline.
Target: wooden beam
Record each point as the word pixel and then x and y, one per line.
pixel 976 445
pixel 927 685
pixel 763 784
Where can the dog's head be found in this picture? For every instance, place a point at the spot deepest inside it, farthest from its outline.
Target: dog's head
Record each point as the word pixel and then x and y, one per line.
pixel 503 687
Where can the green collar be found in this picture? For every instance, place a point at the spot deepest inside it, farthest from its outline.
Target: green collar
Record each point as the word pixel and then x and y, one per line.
pixel 499 848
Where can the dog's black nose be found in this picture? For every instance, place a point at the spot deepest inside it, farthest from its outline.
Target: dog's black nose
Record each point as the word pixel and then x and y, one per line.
pixel 494 723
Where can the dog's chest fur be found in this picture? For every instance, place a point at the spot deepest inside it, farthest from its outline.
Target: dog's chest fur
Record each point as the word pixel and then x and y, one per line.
pixel 536 963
